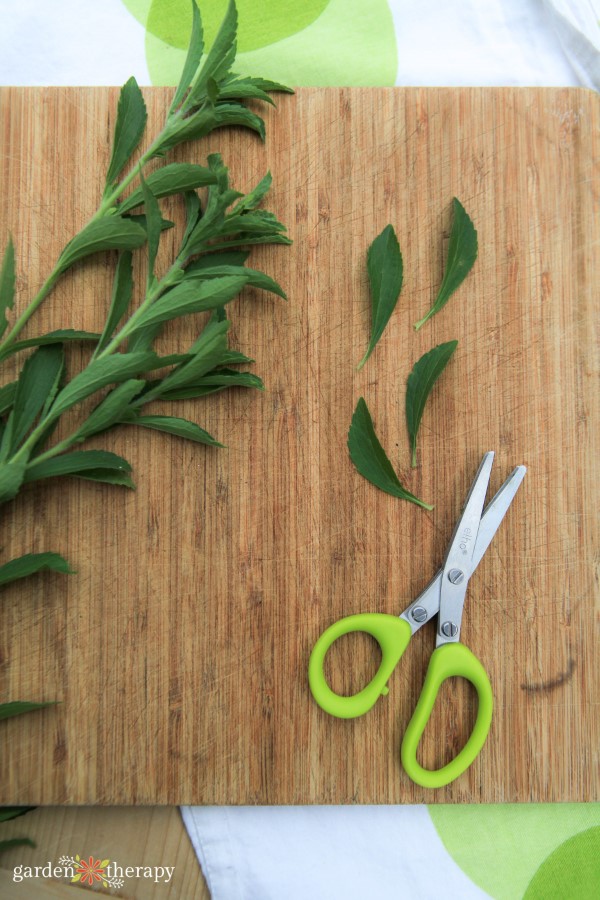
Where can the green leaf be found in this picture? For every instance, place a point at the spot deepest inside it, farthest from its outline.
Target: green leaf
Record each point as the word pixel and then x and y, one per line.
pixel 192 297
pixel 255 222
pixel 7 396
pixel 384 266
pixel 227 114
pixel 36 387
pixel 256 196
pixel 254 277
pixel 99 373
pixel 13 812
pixel 122 292
pixel 97 465
pixel 205 354
pixel 131 122
pixel 176 178
pixel 18 707
pixel 153 229
pixel 11 479
pixel 140 219
pixel 215 381
pixel 462 253
pixel 109 233
pixel 193 211
pixel 10 843
pixel 143 338
pixel 219 58
pixel 7 284
pixel 370 458
pixel 251 88
pixel 420 382
pixel 31 563
pixel 192 60
pixel 223 258
pixel 111 409
pixel 174 425
pixel 54 337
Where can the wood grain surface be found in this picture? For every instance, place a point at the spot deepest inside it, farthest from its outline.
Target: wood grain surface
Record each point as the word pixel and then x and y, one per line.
pixel 138 837
pixel 179 650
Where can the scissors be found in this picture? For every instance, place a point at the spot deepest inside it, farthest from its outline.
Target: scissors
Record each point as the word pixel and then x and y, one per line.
pixel 444 597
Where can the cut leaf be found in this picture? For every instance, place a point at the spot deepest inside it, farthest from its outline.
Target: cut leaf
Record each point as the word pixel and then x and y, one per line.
pixel 7 284
pixel 384 267
pixel 97 465
pixel 99 374
pixel 462 253
pixel 370 458
pixel 421 380
pixel 176 178
pixel 129 128
pixel 121 297
pixel 18 707
pixel 174 425
pixel 109 233
pixel 31 563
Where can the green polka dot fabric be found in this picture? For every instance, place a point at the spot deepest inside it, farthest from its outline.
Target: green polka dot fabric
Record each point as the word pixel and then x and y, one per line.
pixel 508 852
pixel 313 42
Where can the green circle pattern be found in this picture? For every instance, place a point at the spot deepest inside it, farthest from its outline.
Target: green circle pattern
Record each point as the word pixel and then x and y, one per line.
pixel 297 42
pixel 514 851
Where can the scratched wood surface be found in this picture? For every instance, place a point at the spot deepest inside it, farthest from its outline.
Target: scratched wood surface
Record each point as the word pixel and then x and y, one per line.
pixel 135 838
pixel 179 649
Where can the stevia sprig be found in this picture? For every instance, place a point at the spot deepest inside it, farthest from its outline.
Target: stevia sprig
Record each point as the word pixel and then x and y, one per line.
pixel 209 96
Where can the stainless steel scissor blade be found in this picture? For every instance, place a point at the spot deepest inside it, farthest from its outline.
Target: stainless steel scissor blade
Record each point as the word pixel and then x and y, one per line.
pixel 427 604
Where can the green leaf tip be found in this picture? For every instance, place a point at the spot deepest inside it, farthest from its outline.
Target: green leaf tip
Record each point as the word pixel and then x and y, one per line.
pixel 31 563
pixel 421 380
pixel 19 707
pixel 462 253
pixel 129 128
pixel 370 458
pixel 385 271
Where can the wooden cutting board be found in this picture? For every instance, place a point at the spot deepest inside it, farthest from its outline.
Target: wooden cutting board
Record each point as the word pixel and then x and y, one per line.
pixel 179 650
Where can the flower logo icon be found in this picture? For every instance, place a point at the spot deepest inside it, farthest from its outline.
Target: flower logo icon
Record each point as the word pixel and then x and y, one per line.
pixel 90 871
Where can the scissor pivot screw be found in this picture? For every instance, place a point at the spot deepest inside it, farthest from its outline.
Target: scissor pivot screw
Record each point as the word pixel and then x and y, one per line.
pixel 449 629
pixel 419 614
pixel 456 576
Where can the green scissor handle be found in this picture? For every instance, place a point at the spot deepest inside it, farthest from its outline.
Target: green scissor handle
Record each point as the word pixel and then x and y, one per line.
pixel 391 633
pixel 447 661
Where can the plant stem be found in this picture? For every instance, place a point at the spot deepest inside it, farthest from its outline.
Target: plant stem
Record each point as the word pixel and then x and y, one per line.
pixel 20 323
pixel 151 297
pixel 107 204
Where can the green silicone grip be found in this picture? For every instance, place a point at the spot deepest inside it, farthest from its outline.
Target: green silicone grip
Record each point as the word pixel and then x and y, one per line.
pixel 447 661
pixel 391 633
